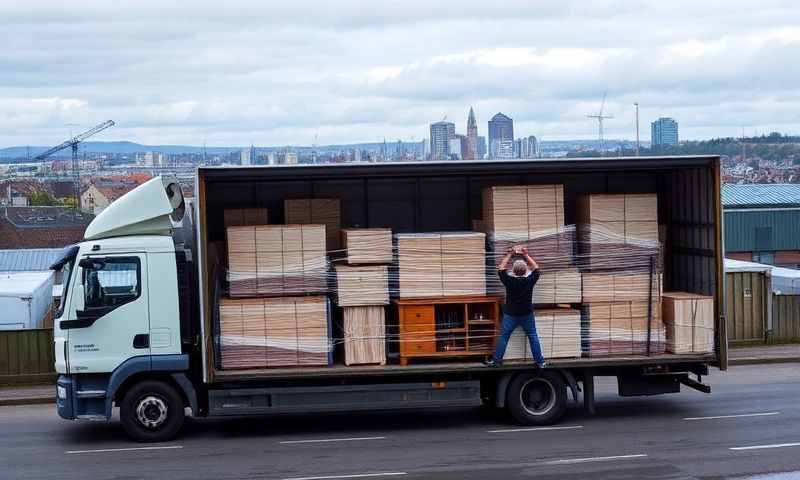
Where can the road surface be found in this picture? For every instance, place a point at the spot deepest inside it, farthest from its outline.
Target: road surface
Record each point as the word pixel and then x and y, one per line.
pixel 756 431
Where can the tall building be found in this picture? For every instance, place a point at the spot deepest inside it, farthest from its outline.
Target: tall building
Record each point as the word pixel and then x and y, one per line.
pixel 664 131
pixel 501 129
pixel 481 147
pixel 455 151
pixel 246 156
pixel 472 136
pixel 528 147
pixel 441 133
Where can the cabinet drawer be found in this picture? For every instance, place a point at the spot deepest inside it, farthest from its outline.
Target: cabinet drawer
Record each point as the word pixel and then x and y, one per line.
pixel 417 315
pixel 411 344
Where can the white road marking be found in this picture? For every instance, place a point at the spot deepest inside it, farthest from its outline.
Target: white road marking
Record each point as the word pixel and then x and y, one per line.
pixel 535 429
pixel 743 415
pixel 357 475
pixel 326 440
pixel 129 449
pixel 762 447
pixel 569 461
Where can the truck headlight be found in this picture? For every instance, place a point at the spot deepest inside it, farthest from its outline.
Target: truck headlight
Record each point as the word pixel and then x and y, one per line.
pixel 61 392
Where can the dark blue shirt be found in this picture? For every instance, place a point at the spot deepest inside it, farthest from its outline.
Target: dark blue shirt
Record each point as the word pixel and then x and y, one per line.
pixel 519 292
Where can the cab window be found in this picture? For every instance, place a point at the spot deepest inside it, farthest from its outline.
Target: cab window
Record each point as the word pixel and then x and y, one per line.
pixel 111 282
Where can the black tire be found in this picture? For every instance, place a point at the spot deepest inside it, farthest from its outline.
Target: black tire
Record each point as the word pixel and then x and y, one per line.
pixel 151 411
pixel 537 398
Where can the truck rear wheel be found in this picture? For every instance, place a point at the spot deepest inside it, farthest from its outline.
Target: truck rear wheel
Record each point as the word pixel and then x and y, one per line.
pixel 151 411
pixel 537 398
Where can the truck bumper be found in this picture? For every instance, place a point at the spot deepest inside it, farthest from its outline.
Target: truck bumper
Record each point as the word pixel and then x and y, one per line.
pixel 65 397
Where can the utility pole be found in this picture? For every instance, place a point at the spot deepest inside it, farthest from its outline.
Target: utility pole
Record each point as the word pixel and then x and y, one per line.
pixel 637 127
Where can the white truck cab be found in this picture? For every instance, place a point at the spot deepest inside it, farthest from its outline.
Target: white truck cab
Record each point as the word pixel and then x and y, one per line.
pixel 117 332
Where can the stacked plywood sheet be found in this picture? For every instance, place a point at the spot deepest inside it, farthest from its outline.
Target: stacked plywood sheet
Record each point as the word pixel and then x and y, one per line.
pixel 273 332
pixel 558 286
pixel 359 285
pixel 530 215
pixel 322 211
pixel 364 335
pixel 368 245
pixel 432 265
pixel 559 331
pixel 276 260
pixel 689 322
pixel 618 231
pixel 238 217
pixel 616 313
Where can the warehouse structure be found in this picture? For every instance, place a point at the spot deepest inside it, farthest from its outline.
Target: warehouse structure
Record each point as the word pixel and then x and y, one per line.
pixel 762 223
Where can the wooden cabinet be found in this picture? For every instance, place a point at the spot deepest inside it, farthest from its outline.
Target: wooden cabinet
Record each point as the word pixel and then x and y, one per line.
pixel 447 327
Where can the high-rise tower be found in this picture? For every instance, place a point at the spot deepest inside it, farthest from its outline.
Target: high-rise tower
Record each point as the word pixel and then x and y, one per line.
pixel 472 137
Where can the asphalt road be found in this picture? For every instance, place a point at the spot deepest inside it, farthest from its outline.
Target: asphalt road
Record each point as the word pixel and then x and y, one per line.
pixel 664 437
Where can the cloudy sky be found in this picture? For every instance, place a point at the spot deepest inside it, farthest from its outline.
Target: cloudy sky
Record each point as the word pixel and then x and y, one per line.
pixel 283 72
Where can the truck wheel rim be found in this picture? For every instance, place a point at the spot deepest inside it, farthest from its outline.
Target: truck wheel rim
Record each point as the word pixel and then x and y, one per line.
pixel 151 411
pixel 537 396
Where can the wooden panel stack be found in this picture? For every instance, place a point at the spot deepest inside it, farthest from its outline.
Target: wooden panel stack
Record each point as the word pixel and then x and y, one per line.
pixel 360 285
pixel 364 335
pixel 276 260
pixel 239 217
pixel 368 245
pixel 530 215
pixel 433 265
pixel 322 211
pixel 559 331
pixel 618 231
pixel 274 332
pixel 616 313
pixel 689 321
pixel 559 286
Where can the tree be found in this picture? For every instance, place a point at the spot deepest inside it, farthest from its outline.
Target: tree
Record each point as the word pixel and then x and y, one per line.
pixel 42 199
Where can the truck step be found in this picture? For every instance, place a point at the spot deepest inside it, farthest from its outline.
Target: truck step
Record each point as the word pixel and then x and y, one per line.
pixel 92 418
pixel 91 394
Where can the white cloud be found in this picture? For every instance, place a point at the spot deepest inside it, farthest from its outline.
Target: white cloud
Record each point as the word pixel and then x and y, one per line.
pixel 275 73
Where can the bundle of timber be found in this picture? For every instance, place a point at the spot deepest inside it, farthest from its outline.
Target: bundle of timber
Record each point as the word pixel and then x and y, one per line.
pixel 559 331
pixel 364 335
pixel 618 231
pixel 238 217
pixel 623 328
pixel 689 320
pixel 323 211
pixel 560 286
pixel 621 286
pixel 359 285
pixel 529 215
pixel 368 245
pixel 276 260
pixel 274 332
pixel 434 265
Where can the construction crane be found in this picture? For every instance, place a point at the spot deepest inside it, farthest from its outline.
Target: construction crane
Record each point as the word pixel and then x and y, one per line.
pixel 73 143
pixel 600 117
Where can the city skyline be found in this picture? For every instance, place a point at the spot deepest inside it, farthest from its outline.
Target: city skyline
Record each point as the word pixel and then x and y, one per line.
pixel 286 73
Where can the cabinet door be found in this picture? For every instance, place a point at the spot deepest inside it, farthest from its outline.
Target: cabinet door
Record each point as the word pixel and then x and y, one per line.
pixel 417 331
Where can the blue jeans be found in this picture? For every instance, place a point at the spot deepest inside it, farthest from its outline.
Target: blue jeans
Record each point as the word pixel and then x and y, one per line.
pixel 511 322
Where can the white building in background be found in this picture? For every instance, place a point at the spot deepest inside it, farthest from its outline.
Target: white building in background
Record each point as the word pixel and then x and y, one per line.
pixel 503 149
pixel 290 158
pixel 245 156
pixel 270 158
pixel 455 149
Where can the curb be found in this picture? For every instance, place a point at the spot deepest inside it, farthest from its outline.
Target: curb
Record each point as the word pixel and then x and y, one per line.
pixel 762 360
pixel 7 402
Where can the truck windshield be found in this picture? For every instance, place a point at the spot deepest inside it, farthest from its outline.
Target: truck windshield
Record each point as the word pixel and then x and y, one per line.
pixel 66 274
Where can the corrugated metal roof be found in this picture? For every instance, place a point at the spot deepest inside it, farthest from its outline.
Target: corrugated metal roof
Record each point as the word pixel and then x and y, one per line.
pixel 761 195
pixel 28 260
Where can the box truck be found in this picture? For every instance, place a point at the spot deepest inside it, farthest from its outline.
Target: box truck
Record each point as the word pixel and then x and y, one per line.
pixel 136 327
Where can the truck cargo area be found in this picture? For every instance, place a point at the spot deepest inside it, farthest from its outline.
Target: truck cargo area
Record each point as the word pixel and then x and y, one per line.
pixel 447 197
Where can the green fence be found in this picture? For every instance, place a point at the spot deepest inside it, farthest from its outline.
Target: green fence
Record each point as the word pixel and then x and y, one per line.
pixel 785 318
pixel 26 357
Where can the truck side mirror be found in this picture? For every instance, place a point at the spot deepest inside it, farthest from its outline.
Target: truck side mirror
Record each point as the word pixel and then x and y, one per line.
pixel 78 297
pixel 91 263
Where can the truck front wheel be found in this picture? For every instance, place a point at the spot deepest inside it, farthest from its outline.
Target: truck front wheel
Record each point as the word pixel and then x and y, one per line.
pixel 537 398
pixel 151 411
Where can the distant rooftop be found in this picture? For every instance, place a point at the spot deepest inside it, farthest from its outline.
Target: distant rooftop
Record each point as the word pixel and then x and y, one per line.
pixel 45 217
pixel 28 259
pixel 758 195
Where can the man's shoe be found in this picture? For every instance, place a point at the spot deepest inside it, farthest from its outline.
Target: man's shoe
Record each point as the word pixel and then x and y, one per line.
pixel 541 365
pixel 491 362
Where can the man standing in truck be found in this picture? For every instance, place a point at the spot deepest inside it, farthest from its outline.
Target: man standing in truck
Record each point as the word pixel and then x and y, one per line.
pixel 518 307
